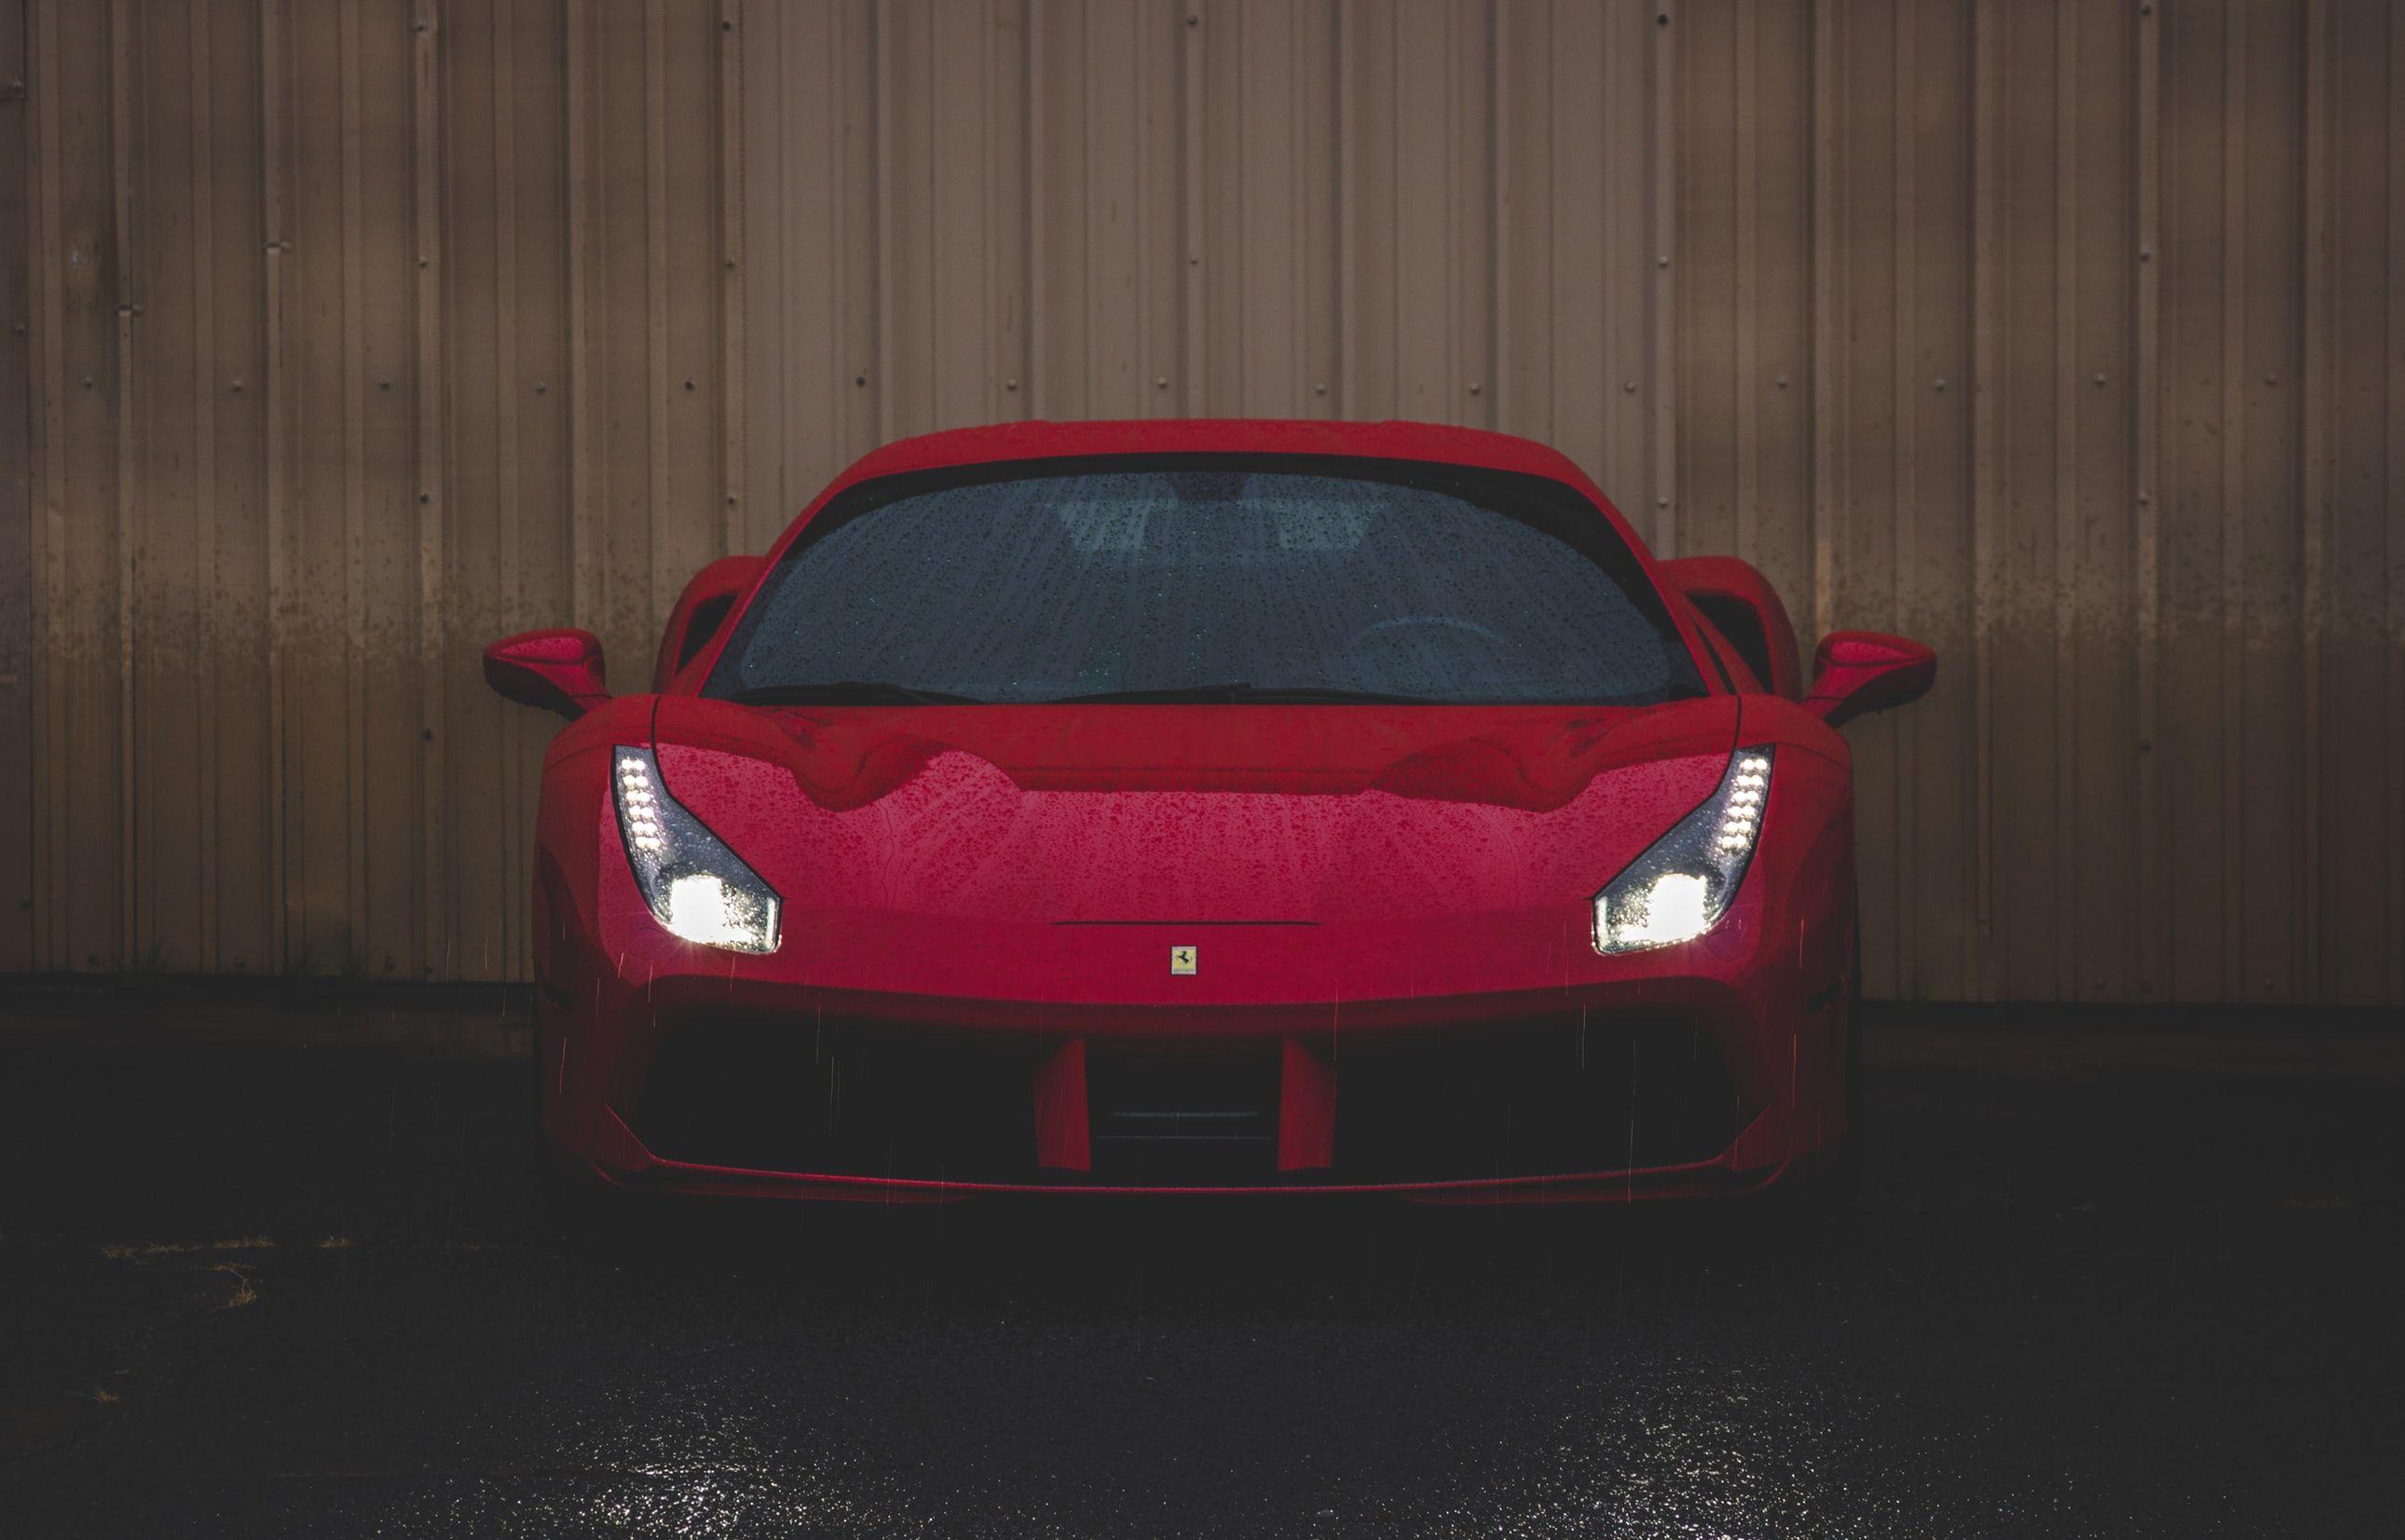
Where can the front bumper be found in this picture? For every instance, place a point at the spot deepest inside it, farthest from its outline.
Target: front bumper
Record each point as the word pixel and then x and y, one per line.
pixel 1697 1070
pixel 1674 1088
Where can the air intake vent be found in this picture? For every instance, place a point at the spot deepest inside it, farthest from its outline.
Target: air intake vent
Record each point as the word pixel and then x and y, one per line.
pixel 1175 1119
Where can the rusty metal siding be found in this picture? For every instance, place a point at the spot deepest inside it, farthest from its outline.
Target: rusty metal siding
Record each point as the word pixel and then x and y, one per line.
pixel 354 332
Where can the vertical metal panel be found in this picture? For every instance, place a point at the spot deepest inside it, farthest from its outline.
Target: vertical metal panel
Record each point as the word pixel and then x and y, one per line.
pixel 1886 778
pixel 2358 284
pixel 2060 424
pixel 577 236
pixel 1101 207
pixel 548 581
pixel 2037 319
pixel 2067 459
pixel 1874 41
pixel 276 438
pixel 2266 717
pixel 16 507
pixel 503 396
pixel 80 749
pixel 2315 377
pixel 2146 877
pixel 657 516
pixel 334 541
pixel 433 947
pixel 1986 334
pixel 2192 259
pixel 1662 525
pixel 1934 557
pixel 1774 520
pixel 154 64
pixel 474 910
pixel 2015 326
pixel 2355 343
pixel 1743 533
pixel 1719 226
pixel 2263 573
pixel 386 735
pixel 2360 902
pixel 46 428
pixel 2097 946
pixel 1190 228
pixel 1828 280
pixel 883 234
pixel 200 392
pixel 1372 276
pixel 122 157
pixel 726 190
pixel 2390 941
pixel 322 804
pixel 809 172
pixel 388 728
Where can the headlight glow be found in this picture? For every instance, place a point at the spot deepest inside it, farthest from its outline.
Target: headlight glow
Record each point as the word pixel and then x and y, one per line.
pixel 1683 883
pixel 697 888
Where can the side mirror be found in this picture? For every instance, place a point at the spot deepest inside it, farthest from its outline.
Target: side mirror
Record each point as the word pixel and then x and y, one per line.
pixel 1855 672
pixel 556 670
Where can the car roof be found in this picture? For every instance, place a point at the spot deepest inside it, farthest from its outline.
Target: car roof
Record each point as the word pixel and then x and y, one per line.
pixel 1395 441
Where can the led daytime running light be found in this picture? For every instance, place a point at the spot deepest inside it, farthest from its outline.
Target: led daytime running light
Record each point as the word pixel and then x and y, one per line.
pixel 1680 886
pixel 695 886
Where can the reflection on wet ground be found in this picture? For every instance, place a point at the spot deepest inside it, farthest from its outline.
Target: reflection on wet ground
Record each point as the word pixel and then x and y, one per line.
pixel 2121 1276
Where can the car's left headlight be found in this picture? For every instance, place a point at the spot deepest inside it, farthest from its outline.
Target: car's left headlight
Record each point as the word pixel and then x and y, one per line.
pixel 697 887
pixel 1681 884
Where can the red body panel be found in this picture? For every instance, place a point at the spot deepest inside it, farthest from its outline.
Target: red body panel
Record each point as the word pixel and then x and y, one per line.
pixel 1351 877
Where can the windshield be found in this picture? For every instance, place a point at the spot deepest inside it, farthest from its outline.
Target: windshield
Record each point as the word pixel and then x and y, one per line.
pixel 1215 578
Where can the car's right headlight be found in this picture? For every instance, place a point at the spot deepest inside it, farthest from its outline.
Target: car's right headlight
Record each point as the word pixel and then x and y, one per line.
pixel 697 887
pixel 1683 883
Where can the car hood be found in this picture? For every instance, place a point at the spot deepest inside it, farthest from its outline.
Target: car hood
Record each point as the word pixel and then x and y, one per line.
pixel 1230 815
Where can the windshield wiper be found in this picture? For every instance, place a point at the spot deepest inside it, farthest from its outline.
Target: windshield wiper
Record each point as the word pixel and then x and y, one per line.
pixel 1242 690
pixel 847 692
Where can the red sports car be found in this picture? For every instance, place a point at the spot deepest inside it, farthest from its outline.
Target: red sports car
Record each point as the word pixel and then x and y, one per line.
pixel 1266 807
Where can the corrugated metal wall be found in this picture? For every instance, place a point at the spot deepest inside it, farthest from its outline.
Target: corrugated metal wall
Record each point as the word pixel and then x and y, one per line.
pixel 2070 336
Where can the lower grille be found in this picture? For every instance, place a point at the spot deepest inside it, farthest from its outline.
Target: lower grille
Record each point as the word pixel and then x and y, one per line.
pixel 1528 1098
pixel 1531 1099
pixel 862 1101
pixel 1183 1119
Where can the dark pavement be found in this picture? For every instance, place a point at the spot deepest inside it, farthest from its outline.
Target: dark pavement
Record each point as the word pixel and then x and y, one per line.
pixel 278 1267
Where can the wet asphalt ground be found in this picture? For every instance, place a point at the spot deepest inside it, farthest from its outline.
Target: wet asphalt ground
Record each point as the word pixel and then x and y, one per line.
pixel 271 1269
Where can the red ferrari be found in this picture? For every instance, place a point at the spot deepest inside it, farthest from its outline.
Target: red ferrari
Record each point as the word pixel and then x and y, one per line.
pixel 1263 806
